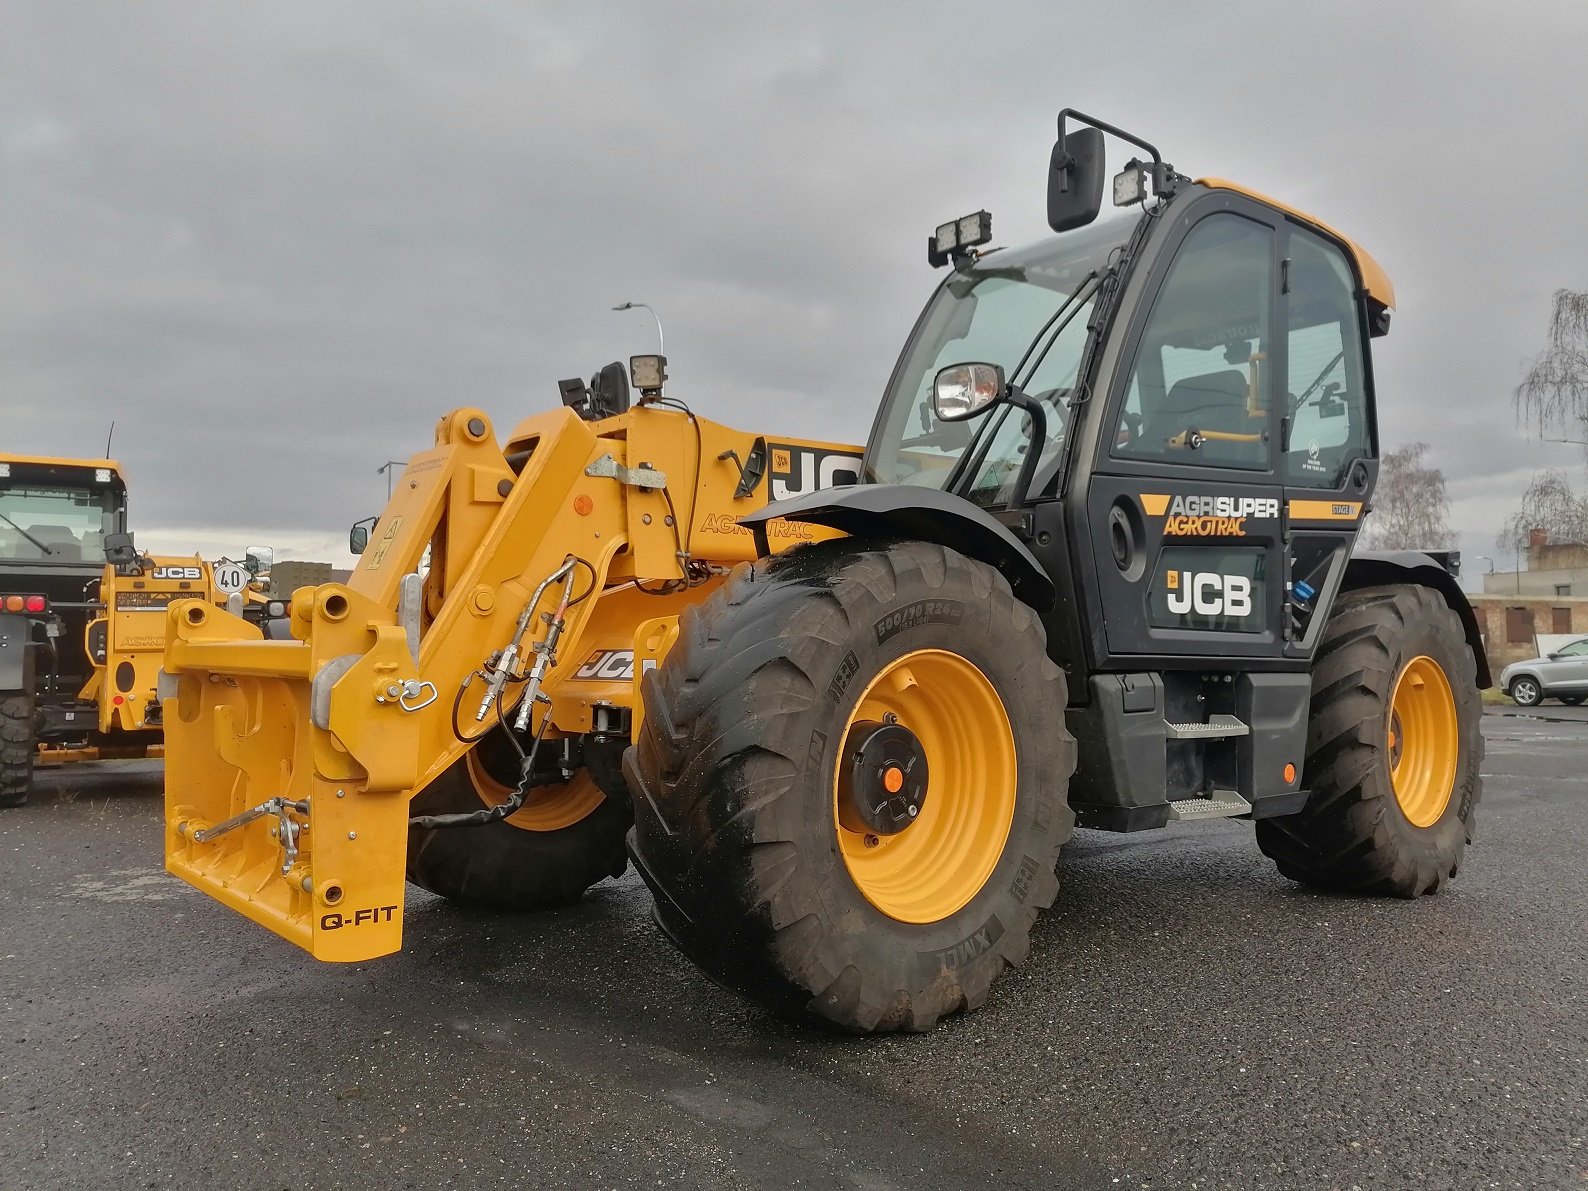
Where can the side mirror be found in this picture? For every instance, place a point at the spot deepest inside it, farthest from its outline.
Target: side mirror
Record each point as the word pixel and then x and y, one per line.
pixel 119 550
pixel 257 560
pixel 962 391
pixel 358 536
pixel 1554 657
pixel 1075 179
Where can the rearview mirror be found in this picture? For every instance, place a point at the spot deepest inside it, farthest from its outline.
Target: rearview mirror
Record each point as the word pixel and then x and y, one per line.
pixel 119 550
pixel 962 391
pixel 1075 179
pixel 257 561
pixel 358 536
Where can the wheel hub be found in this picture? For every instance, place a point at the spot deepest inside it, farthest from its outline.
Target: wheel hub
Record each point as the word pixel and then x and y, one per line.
pixel 882 782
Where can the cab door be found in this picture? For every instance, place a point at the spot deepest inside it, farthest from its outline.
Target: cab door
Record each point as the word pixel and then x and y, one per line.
pixel 1328 438
pixel 1183 511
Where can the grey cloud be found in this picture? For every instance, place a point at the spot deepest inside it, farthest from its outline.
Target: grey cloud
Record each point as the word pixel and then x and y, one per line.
pixel 293 234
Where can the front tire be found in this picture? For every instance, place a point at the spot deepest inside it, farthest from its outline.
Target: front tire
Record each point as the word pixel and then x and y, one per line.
pixel 18 742
pixel 1525 692
pixel 563 840
pixel 765 758
pixel 1393 750
pixel 1572 700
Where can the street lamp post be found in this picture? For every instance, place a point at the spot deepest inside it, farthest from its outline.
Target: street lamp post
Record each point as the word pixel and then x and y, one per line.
pixel 386 468
pixel 661 343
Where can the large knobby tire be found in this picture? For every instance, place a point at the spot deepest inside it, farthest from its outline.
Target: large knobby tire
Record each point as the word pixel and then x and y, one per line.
pixel 762 873
pixel 18 740
pixel 1393 750
pixel 564 839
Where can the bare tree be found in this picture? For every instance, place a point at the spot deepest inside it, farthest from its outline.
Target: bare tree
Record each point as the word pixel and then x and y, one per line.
pixel 1411 510
pixel 1553 394
pixel 1551 504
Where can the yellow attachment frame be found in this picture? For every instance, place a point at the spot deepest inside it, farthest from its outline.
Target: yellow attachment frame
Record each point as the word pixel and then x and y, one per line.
pixel 356 714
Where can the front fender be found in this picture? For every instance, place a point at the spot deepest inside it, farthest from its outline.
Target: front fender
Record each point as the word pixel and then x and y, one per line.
pixel 921 514
pixel 1375 568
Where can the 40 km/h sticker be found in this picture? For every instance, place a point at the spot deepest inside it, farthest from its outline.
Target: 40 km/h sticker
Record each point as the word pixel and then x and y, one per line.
pixel 230 577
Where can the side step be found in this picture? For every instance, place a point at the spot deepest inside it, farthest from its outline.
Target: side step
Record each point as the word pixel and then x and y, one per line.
pixel 1218 727
pixel 1220 804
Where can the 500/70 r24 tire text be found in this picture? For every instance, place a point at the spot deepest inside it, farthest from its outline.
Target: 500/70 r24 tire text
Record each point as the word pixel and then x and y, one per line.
pixel 850 787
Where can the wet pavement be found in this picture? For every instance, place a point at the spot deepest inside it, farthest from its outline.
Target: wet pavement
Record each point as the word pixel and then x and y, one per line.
pixel 1187 1018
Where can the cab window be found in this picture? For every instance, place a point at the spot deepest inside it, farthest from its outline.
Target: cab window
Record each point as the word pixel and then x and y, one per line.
pixel 1198 390
pixel 1326 391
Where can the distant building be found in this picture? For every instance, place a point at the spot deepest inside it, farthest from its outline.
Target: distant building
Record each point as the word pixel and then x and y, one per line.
pixel 1558 569
pixel 287 577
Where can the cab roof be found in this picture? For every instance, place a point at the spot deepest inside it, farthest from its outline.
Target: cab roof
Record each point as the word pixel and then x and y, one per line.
pixel 57 461
pixel 1374 279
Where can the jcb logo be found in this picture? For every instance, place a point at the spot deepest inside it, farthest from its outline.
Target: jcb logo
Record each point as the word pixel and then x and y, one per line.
pixel 1209 594
pixel 178 573
pixel 798 470
pixel 610 665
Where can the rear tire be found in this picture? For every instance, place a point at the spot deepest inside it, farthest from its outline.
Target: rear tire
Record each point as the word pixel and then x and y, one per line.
pixel 1573 700
pixel 1394 788
pixel 738 825
pixel 18 742
pixel 565 839
pixel 1525 692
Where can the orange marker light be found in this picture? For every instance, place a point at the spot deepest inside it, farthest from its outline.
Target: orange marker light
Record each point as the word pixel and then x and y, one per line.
pixel 583 505
pixel 892 779
pixel 1290 773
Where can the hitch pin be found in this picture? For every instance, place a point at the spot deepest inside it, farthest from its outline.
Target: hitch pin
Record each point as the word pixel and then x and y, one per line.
pixel 271 806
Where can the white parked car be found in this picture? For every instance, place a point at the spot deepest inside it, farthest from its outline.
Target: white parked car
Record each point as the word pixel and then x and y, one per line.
pixel 1561 675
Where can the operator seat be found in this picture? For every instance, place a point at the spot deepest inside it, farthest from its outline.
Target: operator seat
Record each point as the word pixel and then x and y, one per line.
pixel 1211 401
pixel 61 540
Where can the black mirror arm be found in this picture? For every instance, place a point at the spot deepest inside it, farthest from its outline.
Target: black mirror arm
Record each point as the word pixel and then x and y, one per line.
pixel 1039 436
pixel 1112 130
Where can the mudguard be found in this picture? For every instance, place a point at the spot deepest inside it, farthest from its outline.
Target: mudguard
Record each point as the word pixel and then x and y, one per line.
pixel 923 514
pixel 1373 568
pixel 16 659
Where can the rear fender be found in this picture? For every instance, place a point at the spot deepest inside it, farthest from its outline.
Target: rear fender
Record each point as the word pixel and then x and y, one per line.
pixel 16 658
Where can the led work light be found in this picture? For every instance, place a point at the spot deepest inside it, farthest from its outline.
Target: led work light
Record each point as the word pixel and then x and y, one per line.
pixel 957 237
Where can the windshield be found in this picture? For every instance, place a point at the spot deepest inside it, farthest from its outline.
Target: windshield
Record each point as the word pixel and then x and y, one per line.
pixel 994 312
pixel 54 524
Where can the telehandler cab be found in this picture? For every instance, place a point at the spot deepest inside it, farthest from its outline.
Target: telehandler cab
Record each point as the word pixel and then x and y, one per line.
pixel 1094 564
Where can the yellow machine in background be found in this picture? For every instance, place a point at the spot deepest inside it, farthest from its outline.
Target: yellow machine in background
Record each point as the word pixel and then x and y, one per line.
pixel 125 642
pixel 82 617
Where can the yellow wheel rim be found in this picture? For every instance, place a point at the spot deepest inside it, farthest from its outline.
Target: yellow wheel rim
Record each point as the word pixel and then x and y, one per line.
pixel 936 865
pixel 1424 741
pixel 548 808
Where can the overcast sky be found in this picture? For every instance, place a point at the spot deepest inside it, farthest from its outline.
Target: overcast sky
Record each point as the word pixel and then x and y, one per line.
pixel 274 241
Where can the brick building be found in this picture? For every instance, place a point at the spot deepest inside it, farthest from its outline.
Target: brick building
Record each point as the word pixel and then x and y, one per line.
pixel 1511 624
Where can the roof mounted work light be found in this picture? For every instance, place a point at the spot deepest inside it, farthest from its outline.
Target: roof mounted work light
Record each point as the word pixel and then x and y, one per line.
pixel 957 237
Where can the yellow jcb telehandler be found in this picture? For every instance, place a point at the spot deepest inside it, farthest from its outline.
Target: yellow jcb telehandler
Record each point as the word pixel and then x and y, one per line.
pixel 843 707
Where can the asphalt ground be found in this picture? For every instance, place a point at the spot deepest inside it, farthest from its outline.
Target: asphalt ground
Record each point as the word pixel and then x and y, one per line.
pixel 1187 1018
